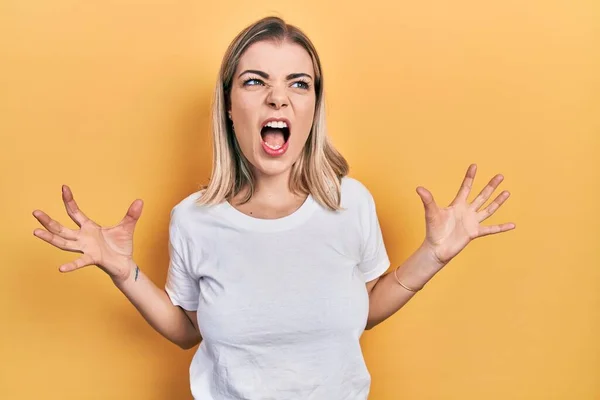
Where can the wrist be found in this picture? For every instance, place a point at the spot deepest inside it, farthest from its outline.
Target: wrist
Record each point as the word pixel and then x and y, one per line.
pixel 127 273
pixel 430 256
pixel 418 269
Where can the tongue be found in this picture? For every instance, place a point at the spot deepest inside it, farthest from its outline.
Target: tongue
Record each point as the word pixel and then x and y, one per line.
pixel 273 137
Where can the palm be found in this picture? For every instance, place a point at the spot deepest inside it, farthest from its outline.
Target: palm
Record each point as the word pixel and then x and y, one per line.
pixel 109 248
pixel 451 229
pixel 106 246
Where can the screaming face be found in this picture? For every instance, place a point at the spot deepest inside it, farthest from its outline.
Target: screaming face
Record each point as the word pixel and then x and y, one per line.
pixel 273 105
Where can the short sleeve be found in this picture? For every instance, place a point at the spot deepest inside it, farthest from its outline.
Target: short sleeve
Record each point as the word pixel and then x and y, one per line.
pixel 181 285
pixel 374 258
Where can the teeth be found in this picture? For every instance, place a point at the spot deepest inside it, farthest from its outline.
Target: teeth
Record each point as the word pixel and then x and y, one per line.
pixel 273 147
pixel 276 124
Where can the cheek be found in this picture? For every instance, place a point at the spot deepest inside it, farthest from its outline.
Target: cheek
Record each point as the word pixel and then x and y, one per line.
pixel 243 111
pixel 243 105
pixel 305 114
pixel 245 139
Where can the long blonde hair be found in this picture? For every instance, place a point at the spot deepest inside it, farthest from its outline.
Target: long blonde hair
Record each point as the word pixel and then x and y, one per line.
pixel 320 167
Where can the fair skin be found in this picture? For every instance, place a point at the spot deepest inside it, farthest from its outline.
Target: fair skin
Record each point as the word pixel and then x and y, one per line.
pixel 111 249
pixel 280 85
pixel 448 231
pixel 272 80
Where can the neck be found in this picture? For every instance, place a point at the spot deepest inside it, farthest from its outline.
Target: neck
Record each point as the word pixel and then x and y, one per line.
pixel 272 188
pixel 272 191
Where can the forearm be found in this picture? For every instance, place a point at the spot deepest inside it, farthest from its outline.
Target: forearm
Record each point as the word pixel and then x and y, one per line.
pixel 387 296
pixel 157 309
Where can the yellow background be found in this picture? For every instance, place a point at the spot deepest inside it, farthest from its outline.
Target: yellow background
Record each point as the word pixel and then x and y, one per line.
pixel 112 98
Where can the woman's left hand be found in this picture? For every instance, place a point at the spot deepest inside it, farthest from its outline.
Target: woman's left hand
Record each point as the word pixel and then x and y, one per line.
pixel 449 230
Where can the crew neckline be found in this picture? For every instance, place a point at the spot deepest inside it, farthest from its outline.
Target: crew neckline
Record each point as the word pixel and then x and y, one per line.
pixel 297 217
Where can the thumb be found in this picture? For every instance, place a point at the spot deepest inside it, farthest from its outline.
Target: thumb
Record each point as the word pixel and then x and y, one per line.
pixel 133 213
pixel 428 201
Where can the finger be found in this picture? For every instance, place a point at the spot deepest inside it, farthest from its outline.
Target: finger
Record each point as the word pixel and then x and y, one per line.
pixel 57 241
pixel 495 205
pixel 491 230
pixel 133 213
pixel 81 262
pixel 487 191
pixel 428 202
pixel 465 187
pixel 72 208
pixel 54 226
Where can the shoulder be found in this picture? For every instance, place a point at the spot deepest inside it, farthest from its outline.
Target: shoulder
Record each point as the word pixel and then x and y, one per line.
pixel 354 193
pixel 188 210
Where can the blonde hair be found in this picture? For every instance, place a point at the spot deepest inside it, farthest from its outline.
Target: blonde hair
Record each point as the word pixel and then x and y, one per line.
pixel 320 167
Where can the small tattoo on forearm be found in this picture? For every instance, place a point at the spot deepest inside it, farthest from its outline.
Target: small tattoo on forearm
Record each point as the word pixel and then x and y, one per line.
pixel 137 270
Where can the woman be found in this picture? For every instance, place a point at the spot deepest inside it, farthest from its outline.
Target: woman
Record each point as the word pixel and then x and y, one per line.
pixel 277 266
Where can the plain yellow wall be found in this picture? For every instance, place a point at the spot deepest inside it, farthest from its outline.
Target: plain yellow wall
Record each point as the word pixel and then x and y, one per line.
pixel 113 98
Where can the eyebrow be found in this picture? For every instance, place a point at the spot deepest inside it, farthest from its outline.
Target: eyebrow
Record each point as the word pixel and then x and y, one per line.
pixel 266 76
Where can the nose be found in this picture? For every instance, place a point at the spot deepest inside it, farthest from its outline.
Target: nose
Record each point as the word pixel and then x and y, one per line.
pixel 277 97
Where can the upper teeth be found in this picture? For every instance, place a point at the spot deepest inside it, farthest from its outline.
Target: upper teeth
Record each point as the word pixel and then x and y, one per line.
pixel 276 124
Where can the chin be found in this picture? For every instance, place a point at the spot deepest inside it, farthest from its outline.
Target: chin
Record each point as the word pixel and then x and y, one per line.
pixel 272 168
pixel 265 164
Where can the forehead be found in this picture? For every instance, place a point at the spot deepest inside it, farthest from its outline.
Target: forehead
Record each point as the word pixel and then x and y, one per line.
pixel 276 58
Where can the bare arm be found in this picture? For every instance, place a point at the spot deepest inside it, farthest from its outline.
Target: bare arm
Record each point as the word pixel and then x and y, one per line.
pixel 386 296
pixel 111 249
pixel 448 231
pixel 173 322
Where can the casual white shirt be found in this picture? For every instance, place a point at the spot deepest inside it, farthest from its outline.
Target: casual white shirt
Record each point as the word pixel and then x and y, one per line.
pixel 281 303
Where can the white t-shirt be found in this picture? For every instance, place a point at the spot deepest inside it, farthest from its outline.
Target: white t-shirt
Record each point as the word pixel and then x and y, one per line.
pixel 281 303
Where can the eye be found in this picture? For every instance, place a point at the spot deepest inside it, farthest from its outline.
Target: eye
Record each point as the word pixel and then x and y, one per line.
pixel 302 85
pixel 253 82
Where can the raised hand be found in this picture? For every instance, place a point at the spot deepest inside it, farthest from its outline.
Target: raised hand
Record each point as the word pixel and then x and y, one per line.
pixel 450 229
pixel 110 248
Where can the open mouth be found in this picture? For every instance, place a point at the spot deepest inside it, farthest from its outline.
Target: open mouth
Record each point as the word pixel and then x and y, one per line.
pixel 275 134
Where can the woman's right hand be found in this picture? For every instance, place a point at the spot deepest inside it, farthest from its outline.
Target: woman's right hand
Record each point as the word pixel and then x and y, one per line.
pixel 110 248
